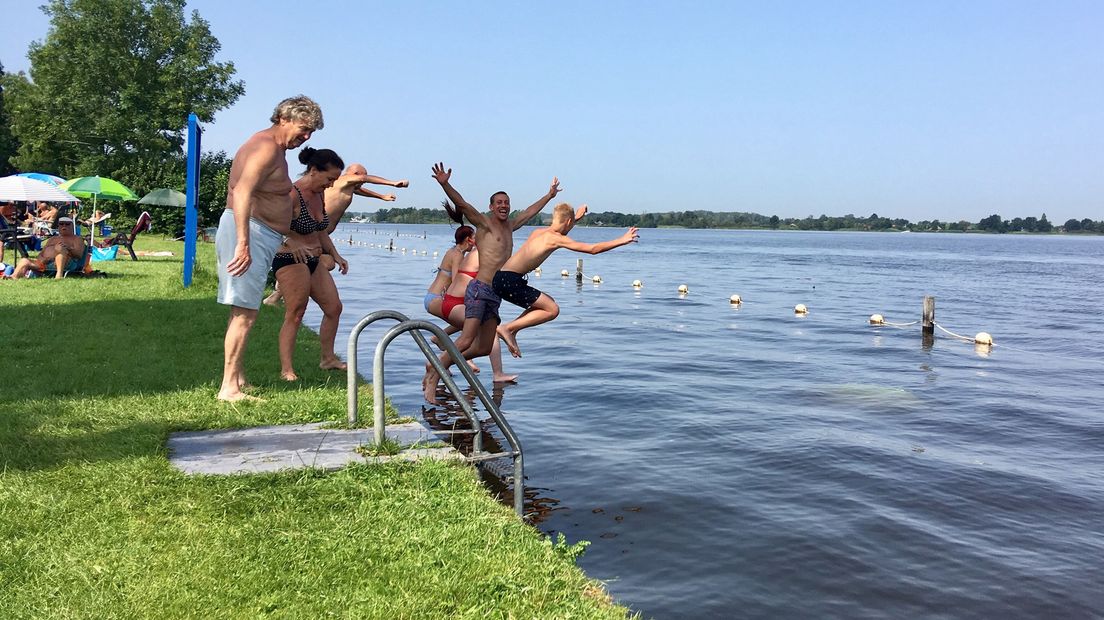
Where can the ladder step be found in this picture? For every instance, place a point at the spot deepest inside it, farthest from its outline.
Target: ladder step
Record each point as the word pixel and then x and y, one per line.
pixel 487 456
pixel 460 432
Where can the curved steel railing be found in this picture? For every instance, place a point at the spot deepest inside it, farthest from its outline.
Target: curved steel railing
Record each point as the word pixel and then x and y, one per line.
pixel 415 328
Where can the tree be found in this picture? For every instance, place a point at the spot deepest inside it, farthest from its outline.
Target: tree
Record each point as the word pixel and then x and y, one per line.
pixel 774 222
pixel 112 85
pixel 1044 225
pixel 8 144
pixel 1072 225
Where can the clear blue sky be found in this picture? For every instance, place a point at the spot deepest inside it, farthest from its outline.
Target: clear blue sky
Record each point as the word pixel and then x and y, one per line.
pixel 919 110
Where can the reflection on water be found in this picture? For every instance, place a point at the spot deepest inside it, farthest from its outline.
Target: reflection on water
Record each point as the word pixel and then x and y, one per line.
pixel 450 419
pixel 750 463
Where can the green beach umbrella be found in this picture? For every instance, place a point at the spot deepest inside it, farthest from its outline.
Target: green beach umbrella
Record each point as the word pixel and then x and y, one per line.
pixel 164 197
pixel 98 188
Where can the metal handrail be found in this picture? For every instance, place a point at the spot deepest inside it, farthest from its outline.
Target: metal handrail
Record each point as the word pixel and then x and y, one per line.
pixel 414 327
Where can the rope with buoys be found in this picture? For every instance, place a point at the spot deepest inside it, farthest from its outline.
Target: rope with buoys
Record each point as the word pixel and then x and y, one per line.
pixel 950 333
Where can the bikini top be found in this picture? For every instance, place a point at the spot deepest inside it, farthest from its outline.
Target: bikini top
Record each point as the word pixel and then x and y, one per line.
pixel 305 224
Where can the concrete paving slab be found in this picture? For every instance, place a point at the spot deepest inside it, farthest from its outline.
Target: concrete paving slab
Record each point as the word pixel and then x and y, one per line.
pixel 297 446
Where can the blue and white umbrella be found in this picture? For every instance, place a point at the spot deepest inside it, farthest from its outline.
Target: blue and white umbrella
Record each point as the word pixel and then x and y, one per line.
pixel 18 187
pixel 42 176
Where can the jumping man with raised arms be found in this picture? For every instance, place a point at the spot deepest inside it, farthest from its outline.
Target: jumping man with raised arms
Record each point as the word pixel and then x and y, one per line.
pixel 494 236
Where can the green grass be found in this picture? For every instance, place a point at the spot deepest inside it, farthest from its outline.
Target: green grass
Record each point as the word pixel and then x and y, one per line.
pixel 94 522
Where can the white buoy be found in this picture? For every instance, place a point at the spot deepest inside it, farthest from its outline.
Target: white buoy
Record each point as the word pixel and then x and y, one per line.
pixel 564 273
pixel 983 338
pixel 537 270
pixel 596 279
pixel 877 319
pixel 637 284
pixel 424 253
pixel 683 289
pixel 801 309
pixel 435 255
pixel 735 300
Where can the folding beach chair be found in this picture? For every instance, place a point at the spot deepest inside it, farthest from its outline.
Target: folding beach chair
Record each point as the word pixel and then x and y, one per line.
pixel 10 234
pixel 144 224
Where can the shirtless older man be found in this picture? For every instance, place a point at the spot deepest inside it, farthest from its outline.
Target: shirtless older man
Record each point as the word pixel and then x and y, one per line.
pixel 494 236
pixel 59 250
pixel 259 210
pixel 511 284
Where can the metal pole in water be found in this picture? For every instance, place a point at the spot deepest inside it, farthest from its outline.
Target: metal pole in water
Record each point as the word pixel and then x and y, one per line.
pixel 927 320
pixel 579 271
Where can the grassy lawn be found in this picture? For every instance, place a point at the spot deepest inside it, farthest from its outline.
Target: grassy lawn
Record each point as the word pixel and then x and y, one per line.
pixel 94 523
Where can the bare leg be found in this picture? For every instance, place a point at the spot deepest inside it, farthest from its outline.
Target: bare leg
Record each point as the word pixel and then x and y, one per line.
pixel 496 365
pixel 21 268
pixel 295 281
pixel 275 298
pixel 237 336
pixel 324 293
pixel 60 261
pixel 464 343
pixel 543 310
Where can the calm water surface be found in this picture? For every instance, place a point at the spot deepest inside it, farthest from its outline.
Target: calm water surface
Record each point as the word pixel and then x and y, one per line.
pixel 743 462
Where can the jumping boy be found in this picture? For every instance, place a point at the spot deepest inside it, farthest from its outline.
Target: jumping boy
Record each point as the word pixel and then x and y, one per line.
pixel 511 284
pixel 494 236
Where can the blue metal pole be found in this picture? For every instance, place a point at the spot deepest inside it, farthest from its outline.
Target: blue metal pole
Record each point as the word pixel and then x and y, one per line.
pixel 191 216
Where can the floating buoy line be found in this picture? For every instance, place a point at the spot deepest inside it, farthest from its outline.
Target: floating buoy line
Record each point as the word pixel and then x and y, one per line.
pixel 983 341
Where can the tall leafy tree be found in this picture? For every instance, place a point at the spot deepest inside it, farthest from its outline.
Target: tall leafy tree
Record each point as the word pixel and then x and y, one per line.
pixel 8 145
pixel 112 84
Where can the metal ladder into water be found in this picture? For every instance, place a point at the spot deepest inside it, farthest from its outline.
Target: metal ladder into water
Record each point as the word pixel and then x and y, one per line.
pixel 415 328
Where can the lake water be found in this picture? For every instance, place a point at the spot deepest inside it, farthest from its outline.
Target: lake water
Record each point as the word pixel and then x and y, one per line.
pixel 746 462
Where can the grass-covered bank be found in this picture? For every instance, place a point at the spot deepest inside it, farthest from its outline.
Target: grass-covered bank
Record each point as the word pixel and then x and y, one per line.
pixel 95 523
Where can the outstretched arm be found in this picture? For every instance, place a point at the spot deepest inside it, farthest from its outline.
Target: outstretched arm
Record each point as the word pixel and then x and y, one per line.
pixel 442 176
pixel 535 208
pixel 630 236
pixel 374 180
pixel 580 213
pixel 367 193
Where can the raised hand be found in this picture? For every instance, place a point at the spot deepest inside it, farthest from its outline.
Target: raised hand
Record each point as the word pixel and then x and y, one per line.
pixel 403 183
pixel 441 174
pixel 388 197
pixel 554 189
pixel 631 236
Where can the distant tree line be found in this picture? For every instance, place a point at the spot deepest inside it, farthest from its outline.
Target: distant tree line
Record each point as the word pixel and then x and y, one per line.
pixel 741 220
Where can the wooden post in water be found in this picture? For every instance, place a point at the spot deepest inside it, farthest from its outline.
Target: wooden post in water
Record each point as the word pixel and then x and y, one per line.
pixel 927 321
pixel 579 271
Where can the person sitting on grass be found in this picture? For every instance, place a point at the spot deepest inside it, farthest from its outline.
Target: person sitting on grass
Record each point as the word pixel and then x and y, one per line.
pixel 510 282
pixel 59 250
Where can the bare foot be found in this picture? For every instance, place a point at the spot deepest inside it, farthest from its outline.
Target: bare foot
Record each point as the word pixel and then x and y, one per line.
pixel 289 376
pixel 333 364
pixel 238 396
pixel 274 299
pixel 473 367
pixel 505 378
pixel 507 336
pixel 429 387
